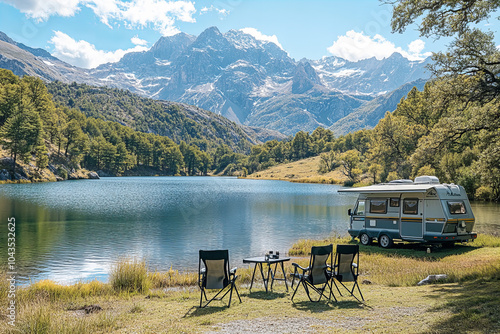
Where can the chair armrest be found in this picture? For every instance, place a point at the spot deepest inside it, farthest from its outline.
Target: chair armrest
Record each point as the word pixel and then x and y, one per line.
pixel 233 271
pixel 299 266
pixel 203 271
pixel 355 265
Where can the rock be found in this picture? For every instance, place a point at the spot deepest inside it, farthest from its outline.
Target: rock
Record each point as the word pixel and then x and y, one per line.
pixel 4 175
pixel 365 281
pixel 91 309
pixel 432 278
pixel 102 173
pixel 72 176
pixel 94 176
pixel 58 178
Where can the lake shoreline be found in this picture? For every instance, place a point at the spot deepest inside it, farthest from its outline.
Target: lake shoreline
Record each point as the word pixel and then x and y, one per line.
pixel 171 302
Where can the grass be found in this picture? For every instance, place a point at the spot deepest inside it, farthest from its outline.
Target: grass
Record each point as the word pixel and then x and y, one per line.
pixel 302 171
pixel 152 302
pixel 130 275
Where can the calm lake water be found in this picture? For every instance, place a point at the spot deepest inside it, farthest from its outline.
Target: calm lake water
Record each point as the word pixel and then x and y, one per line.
pixel 75 230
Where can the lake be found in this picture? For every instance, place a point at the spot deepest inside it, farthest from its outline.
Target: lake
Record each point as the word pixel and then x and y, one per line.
pixel 74 230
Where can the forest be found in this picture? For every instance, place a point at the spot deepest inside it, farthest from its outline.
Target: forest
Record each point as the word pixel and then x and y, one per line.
pixel 451 129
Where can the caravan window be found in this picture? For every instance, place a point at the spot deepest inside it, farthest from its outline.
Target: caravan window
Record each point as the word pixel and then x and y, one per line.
pixel 410 206
pixel 360 208
pixel 456 207
pixel 378 206
pixel 394 202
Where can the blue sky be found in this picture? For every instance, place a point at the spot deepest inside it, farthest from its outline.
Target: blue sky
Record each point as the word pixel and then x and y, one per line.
pixel 87 33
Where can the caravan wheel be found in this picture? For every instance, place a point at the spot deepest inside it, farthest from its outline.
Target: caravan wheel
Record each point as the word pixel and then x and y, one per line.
pixel 385 241
pixel 365 239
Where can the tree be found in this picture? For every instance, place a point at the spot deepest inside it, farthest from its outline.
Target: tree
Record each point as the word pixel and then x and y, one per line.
pixel 327 162
pixel 472 52
pixel 21 132
pixel 301 145
pixel 375 169
pixel 350 162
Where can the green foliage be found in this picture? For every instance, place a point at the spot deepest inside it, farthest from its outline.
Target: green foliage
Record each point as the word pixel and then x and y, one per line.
pixel 178 122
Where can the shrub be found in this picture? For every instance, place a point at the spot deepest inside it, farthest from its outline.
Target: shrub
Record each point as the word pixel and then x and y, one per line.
pixel 484 193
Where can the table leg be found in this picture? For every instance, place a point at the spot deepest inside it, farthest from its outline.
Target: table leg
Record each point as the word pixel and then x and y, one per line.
pixel 263 277
pixel 253 275
pixel 284 275
pixel 273 273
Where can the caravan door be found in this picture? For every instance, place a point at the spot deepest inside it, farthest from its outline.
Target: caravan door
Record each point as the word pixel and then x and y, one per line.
pixel 411 226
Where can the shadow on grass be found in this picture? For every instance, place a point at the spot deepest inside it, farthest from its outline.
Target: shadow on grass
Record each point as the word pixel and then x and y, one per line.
pixel 417 250
pixel 265 295
pixel 475 307
pixel 211 309
pixel 323 306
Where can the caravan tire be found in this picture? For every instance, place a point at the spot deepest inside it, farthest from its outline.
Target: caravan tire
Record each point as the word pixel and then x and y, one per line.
pixel 385 241
pixel 365 239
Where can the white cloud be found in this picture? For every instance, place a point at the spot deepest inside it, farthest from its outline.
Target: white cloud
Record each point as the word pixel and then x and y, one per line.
pixel 356 46
pixel 160 14
pixel 42 9
pixel 261 37
pixel 416 46
pixel 83 54
pixel 222 12
pixel 137 41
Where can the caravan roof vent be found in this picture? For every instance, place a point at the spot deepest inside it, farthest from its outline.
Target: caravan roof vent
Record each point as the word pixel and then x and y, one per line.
pixel 453 189
pixel 427 179
pixel 401 181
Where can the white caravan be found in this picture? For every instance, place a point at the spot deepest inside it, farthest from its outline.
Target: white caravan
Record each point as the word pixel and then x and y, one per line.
pixel 421 211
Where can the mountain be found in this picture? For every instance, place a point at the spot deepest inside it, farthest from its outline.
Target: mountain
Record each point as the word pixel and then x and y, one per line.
pixel 369 76
pixel 255 82
pixel 24 60
pixel 178 121
pixel 233 74
pixel 368 115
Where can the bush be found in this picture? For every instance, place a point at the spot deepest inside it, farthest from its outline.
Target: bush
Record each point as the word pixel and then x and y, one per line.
pixel 62 173
pixel 484 193
pixel 130 276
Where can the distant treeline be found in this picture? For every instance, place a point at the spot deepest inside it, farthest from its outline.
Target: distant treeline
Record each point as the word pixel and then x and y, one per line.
pixel 32 125
pixel 431 132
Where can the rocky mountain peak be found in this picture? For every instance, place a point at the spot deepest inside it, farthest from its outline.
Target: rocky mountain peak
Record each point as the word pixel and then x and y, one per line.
pixel 304 78
pixel 169 47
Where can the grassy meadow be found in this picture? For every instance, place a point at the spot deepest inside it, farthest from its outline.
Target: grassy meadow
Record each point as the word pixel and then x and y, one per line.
pixel 136 300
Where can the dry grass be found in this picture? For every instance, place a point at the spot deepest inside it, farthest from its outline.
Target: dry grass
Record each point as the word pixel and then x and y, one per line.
pixel 130 275
pixel 470 305
pixel 305 171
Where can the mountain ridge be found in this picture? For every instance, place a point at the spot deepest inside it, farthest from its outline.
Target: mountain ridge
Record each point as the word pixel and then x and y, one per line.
pixel 233 74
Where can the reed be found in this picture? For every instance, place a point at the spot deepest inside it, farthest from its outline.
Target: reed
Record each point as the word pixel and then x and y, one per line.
pixel 303 246
pixel 130 275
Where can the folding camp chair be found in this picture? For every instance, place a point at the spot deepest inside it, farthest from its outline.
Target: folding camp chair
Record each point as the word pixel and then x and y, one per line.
pixel 215 274
pixel 345 269
pixel 317 273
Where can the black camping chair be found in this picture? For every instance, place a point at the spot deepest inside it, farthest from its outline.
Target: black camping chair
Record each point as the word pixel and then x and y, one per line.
pixel 345 269
pixel 317 275
pixel 215 274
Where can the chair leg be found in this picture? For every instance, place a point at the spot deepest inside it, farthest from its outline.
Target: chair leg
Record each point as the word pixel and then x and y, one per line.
pixel 359 291
pixel 237 293
pixel 230 295
pixel 295 291
pixel 340 293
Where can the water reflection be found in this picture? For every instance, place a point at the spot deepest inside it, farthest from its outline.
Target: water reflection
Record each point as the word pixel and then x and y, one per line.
pixel 76 230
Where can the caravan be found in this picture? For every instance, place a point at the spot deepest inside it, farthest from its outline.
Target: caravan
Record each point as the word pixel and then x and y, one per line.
pixel 421 211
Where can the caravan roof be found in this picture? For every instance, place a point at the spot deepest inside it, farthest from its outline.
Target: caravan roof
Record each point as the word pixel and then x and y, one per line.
pixel 393 187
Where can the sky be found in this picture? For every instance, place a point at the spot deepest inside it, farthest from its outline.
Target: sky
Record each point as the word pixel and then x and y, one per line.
pixel 87 33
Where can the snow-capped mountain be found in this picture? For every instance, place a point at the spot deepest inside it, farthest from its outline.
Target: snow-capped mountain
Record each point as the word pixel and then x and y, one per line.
pixel 254 82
